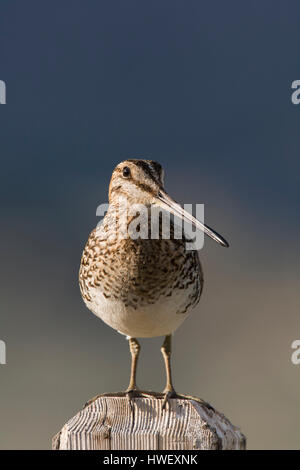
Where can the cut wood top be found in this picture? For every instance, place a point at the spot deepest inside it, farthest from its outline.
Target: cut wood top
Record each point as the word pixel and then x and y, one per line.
pixel 110 422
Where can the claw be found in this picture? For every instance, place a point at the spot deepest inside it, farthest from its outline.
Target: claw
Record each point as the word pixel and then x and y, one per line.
pixel 130 394
pixel 167 396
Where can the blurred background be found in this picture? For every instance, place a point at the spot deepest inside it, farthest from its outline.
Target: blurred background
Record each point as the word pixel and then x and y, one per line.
pixel 205 89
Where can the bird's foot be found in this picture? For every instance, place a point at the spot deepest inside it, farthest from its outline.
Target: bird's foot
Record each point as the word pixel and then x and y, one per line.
pixel 114 394
pixel 168 394
pixel 132 393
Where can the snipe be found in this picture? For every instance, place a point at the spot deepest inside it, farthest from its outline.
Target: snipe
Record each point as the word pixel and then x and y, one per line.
pixel 142 287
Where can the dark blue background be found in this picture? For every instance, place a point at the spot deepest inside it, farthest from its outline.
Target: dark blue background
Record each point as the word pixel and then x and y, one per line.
pixel 205 89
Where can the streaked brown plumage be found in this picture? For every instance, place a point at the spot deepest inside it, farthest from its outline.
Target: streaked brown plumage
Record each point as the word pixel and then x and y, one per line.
pixel 141 287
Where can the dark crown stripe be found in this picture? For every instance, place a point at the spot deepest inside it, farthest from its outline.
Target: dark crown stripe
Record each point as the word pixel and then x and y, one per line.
pixel 151 168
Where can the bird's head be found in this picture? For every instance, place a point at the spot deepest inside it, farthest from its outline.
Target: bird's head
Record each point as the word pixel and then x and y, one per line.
pixel 142 182
pixel 139 181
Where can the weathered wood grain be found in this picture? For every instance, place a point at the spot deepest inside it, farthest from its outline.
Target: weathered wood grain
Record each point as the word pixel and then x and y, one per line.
pixel 109 422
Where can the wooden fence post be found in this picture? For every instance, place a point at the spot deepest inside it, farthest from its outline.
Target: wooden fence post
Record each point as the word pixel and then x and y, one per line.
pixel 109 423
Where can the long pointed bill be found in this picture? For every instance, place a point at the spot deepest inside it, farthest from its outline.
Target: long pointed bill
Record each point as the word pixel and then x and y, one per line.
pixel 167 203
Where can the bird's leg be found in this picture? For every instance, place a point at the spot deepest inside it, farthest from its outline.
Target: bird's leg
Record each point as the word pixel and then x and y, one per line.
pixel 135 347
pixel 169 390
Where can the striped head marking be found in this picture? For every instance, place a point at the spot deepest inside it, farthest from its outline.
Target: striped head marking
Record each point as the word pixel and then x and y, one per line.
pixel 137 180
pixel 141 182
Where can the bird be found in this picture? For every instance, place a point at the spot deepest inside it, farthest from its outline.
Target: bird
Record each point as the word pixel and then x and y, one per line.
pixel 142 286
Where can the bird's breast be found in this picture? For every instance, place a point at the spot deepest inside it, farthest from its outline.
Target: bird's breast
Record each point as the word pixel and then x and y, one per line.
pixel 146 276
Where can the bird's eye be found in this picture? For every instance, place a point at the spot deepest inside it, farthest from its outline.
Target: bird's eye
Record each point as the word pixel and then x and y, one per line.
pixel 126 171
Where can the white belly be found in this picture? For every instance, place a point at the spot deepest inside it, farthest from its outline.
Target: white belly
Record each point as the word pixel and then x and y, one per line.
pixel 158 319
